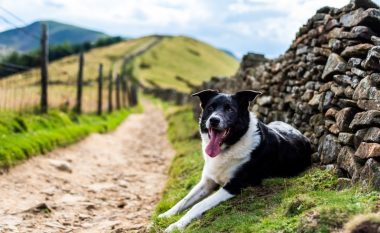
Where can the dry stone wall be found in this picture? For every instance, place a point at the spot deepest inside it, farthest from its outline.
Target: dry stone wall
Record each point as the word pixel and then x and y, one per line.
pixel 327 84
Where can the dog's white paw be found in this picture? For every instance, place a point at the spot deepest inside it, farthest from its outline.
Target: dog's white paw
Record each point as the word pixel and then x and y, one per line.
pixel 177 225
pixel 166 214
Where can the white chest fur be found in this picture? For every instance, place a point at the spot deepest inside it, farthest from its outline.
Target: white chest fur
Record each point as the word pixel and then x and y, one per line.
pixel 222 167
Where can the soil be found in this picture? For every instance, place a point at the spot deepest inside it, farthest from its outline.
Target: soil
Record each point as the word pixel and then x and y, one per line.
pixel 105 183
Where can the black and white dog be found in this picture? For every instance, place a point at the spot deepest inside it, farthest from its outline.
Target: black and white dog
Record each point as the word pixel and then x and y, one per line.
pixel 239 151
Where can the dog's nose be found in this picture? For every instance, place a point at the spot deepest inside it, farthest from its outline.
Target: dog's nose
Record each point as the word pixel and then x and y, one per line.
pixel 214 121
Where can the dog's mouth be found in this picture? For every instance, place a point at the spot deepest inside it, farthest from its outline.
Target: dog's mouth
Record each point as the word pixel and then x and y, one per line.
pixel 216 137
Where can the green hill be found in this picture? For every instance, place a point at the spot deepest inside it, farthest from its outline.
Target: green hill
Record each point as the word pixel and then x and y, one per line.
pixel 26 38
pixel 179 58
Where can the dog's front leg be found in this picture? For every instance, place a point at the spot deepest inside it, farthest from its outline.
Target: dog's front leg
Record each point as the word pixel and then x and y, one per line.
pixel 198 209
pixel 202 189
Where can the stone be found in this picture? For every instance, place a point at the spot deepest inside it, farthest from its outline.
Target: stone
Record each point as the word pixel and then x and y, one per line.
pixel 362 32
pixel 327 101
pixel 337 90
pixel 335 65
pixel 368 150
pixel 371 173
pixel 354 62
pixel 330 149
pixel 343 183
pixel 335 45
pixel 369 104
pixel 359 50
pixel 365 4
pixel 349 92
pixel 344 118
pixel 264 100
pixel 307 95
pixel 344 103
pixel 365 119
pixel 359 136
pixel 375 40
pixel 372 60
pixel 346 138
pixel 375 78
pixel 369 17
pixel 358 72
pixel 346 80
pixel 334 129
pixel 372 135
pixel 330 113
pixel 301 49
pixel 345 160
pixel 317 98
pixel 365 90
pixel 61 165
pixel 315 157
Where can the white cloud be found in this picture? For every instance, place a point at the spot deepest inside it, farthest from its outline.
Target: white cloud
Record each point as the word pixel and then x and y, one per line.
pixel 267 26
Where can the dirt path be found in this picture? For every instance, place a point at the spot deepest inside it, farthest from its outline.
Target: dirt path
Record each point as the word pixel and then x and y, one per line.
pixel 115 182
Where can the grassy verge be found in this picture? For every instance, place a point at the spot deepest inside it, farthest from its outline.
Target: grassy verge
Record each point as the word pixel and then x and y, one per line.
pixel 23 136
pixel 310 202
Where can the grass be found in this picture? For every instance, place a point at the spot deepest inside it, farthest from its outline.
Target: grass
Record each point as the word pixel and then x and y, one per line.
pixel 309 202
pixel 25 135
pixel 182 57
pixel 22 90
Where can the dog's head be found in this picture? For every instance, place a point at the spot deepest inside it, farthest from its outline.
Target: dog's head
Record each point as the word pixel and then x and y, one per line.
pixel 225 118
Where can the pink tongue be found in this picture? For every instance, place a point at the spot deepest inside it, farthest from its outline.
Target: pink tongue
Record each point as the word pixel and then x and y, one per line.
pixel 213 147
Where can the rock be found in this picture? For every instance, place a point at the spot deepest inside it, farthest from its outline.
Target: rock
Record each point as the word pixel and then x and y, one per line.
pixel 315 157
pixel 346 138
pixel 335 45
pixel 317 98
pixel 375 78
pixel 358 72
pixel 40 208
pixel 307 95
pixel 362 32
pixel 369 104
pixel 349 92
pixel 372 135
pixel 354 62
pixel 346 160
pixel 368 150
pixel 365 4
pixel 335 65
pixel 330 113
pixel 344 118
pixel 337 90
pixel 365 90
pixel 359 136
pixel 359 50
pixel 365 119
pixel 375 40
pixel 373 59
pixel 334 129
pixel 61 165
pixel 369 17
pixel 330 149
pixel 327 101
pixel 346 80
pixel 264 100
pixel 343 183
pixel 371 173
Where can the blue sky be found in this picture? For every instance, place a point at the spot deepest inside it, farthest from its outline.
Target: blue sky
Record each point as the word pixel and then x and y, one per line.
pixel 264 26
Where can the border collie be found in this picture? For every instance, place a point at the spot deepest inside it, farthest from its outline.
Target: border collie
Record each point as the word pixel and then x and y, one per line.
pixel 239 151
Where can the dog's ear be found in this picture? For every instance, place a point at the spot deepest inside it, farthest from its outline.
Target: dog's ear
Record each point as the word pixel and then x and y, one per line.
pixel 244 97
pixel 205 96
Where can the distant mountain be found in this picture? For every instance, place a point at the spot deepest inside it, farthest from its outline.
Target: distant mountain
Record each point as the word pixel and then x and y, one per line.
pixel 22 39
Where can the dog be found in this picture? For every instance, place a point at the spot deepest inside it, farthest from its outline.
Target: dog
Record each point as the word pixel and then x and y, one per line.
pixel 239 151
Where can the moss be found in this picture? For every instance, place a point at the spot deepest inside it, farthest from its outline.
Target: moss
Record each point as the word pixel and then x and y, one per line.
pixel 23 136
pixel 309 202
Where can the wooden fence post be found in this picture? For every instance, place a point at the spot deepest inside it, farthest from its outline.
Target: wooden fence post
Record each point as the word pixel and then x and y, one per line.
pixel 44 68
pixel 78 107
pixel 110 90
pixel 124 90
pixel 118 79
pixel 134 97
pixel 100 90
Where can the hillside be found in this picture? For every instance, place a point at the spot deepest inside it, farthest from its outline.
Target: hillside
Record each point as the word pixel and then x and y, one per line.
pixel 178 58
pixel 20 39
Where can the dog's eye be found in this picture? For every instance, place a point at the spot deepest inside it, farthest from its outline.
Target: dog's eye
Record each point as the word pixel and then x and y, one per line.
pixel 228 108
pixel 211 108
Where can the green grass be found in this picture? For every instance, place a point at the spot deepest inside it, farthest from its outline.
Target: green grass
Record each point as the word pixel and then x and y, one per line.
pixel 26 135
pixel 185 57
pixel 309 202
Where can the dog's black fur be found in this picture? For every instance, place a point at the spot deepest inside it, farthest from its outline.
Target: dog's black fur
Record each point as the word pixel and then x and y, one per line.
pixel 279 154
